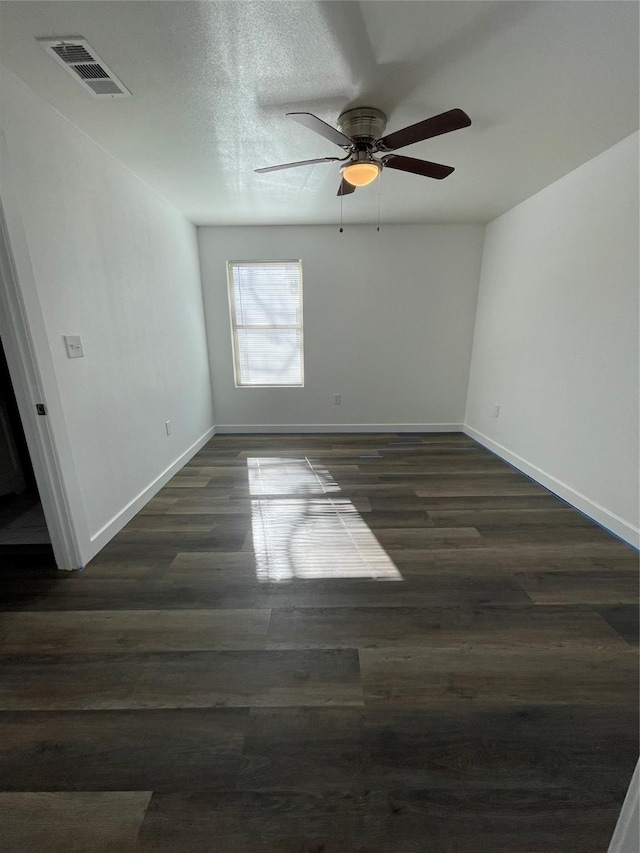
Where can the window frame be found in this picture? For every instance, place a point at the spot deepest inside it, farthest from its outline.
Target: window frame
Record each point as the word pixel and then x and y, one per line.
pixel 234 327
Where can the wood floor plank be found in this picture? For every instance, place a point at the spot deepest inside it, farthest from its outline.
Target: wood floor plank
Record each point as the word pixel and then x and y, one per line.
pixel 216 506
pixel 547 535
pixel 513 559
pixel 106 631
pixel 229 566
pixel 330 589
pixel 506 821
pixel 477 484
pixel 437 482
pixel 128 569
pixel 509 519
pixel 147 564
pixel 304 749
pixel 145 549
pixel 213 539
pixel 487 677
pixel 403 537
pixel 180 481
pixel 392 537
pixel 532 748
pixel 179 680
pixel 442 463
pixel 72 822
pixel 157 505
pixel 381 520
pixel 335 453
pixel 465 502
pixel 590 588
pixel 537 747
pixel 176 750
pixel 346 491
pixel 216 457
pixel 187 488
pixel 514 626
pixel 202 522
pixel 133 595
pixel 217 473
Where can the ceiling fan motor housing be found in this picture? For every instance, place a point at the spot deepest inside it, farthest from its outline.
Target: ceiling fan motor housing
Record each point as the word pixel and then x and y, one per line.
pixel 362 124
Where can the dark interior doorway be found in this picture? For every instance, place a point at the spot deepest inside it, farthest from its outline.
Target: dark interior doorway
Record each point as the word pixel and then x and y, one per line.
pixel 23 530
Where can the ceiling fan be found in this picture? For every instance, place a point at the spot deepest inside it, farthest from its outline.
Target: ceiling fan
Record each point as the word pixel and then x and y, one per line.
pixel 359 134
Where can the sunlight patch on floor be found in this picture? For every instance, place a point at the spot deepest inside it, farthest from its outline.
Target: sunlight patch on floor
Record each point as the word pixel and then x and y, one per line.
pixel 297 533
pixel 275 476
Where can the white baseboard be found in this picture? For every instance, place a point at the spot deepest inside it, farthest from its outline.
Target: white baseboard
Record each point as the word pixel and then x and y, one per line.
pixel 609 520
pixel 233 429
pixel 100 539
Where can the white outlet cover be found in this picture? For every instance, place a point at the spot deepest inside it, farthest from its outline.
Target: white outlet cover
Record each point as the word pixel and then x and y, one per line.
pixel 74 346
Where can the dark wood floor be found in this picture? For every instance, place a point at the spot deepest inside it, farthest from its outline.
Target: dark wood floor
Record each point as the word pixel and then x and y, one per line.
pixel 326 644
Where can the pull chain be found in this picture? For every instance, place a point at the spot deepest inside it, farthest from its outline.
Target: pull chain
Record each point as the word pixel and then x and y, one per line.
pixel 379 179
pixel 341 197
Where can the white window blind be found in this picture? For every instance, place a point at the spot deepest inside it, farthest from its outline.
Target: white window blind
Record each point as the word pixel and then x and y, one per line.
pixel 265 301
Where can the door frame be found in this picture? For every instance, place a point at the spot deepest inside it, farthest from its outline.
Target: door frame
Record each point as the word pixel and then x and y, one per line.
pixel 26 377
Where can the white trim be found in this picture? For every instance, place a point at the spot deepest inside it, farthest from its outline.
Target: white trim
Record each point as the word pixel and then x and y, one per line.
pixel 100 539
pixel 612 522
pixel 17 326
pixel 232 429
pixel 625 836
pixel 299 327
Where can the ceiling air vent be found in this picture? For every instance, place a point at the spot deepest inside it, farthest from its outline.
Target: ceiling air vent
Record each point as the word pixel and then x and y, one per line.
pixel 81 61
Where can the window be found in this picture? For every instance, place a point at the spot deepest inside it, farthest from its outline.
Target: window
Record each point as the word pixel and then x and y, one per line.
pixel 265 301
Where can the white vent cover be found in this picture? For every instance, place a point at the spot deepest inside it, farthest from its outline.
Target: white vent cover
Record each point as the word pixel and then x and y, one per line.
pixel 85 66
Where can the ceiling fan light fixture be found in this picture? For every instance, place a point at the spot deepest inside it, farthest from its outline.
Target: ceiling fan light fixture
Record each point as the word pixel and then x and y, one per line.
pixel 361 173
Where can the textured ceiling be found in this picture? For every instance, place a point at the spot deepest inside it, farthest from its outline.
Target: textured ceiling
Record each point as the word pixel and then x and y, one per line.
pixel 548 85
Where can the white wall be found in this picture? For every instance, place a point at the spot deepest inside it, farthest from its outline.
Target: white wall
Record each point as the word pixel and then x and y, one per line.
pixel 103 256
pixel 388 322
pixel 556 338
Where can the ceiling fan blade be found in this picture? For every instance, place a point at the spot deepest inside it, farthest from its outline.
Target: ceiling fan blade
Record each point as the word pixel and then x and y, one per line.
pixel 434 126
pixel 316 124
pixel 299 163
pixel 345 188
pixel 417 167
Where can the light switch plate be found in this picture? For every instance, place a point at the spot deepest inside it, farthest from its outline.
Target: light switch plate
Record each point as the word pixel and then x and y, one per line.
pixel 74 346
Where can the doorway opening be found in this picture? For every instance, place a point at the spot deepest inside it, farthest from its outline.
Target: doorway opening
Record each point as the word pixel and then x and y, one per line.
pixel 24 537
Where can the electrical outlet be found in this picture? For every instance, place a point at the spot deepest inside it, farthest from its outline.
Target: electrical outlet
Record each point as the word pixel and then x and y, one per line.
pixel 167 426
pixel 337 399
pixel 496 411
